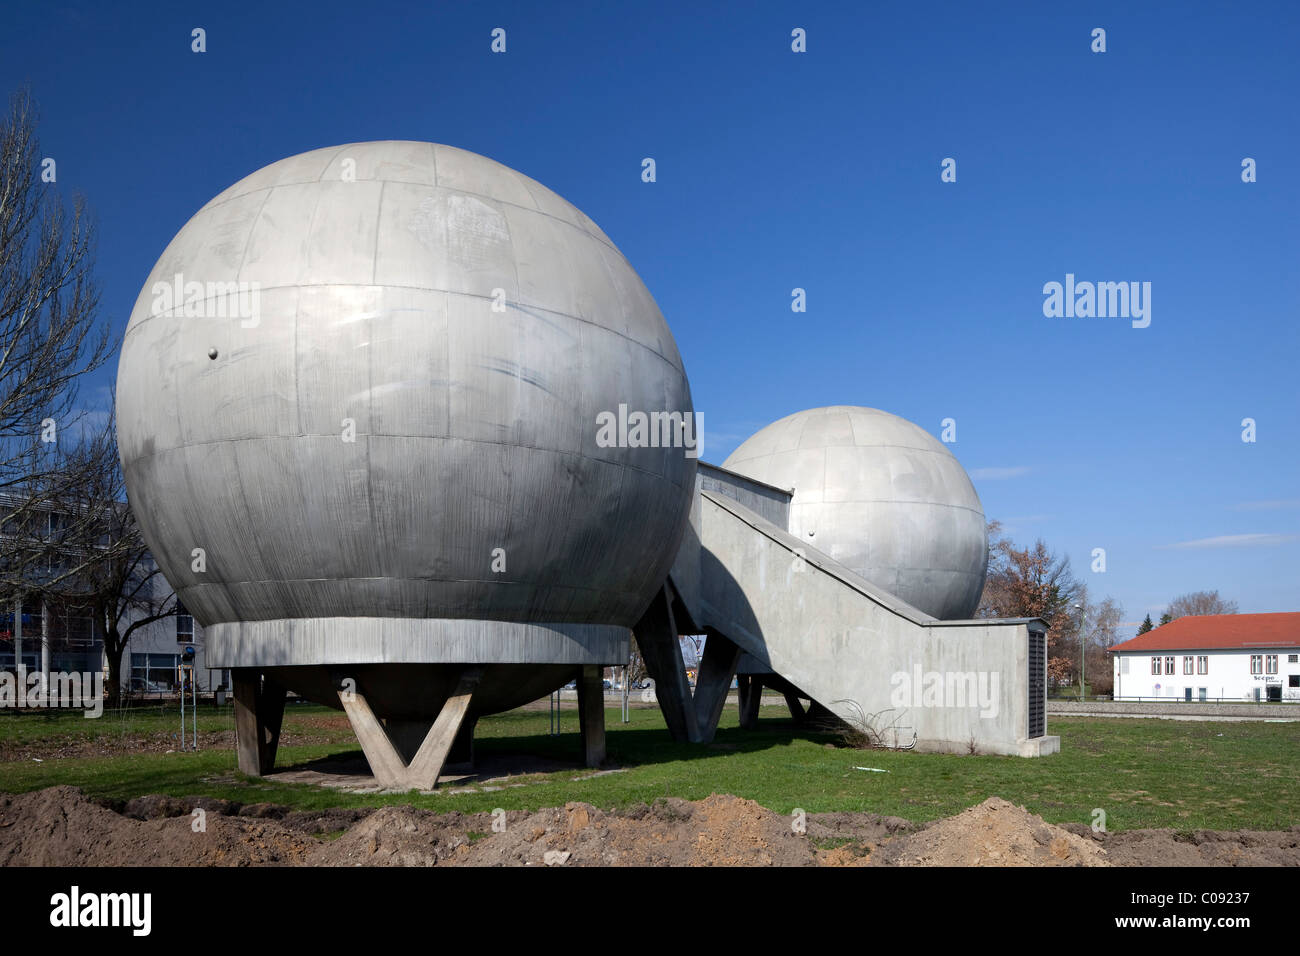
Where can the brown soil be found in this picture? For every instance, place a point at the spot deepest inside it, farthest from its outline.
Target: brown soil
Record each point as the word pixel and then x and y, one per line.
pixel 61 826
pixel 995 833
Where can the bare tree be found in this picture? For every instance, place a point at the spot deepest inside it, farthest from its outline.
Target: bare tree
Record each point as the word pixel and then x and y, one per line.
pixel 103 562
pixel 1102 622
pixel 636 669
pixel 50 336
pixel 1033 582
pixel 1199 603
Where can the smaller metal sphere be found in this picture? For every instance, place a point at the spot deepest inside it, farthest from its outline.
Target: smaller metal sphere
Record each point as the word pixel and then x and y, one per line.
pixel 881 496
pixel 212 353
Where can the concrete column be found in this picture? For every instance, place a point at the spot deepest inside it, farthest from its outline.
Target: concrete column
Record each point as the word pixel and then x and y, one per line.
pixel 751 696
pixel 656 635
pixel 259 713
pixel 271 712
pixel 796 708
pixel 591 713
pixel 717 668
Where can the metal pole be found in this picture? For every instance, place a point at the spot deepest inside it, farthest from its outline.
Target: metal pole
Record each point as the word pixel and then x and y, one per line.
pixel 45 650
pixel 18 648
pixel 626 689
pixel 194 713
pixel 1083 656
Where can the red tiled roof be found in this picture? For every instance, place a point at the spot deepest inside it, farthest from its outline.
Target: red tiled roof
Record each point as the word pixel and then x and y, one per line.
pixel 1219 631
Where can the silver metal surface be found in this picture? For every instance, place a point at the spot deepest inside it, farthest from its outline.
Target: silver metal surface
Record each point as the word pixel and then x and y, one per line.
pixel 882 497
pixel 403 396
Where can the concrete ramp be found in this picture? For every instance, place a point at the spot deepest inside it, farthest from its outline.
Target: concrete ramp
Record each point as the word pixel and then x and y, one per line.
pixel 814 626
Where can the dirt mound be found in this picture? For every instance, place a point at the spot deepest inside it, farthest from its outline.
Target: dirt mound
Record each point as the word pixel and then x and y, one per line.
pixel 717 831
pixel 62 827
pixel 995 833
pixel 401 836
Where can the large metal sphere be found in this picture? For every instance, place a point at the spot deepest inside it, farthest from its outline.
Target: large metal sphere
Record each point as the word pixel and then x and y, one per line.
pixel 882 497
pixel 407 428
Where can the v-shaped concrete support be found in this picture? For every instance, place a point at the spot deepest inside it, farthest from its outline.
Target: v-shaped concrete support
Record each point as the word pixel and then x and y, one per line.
pixel 386 762
pixel 689 717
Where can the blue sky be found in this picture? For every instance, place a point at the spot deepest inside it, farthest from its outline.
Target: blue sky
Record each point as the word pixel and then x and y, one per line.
pixel 821 171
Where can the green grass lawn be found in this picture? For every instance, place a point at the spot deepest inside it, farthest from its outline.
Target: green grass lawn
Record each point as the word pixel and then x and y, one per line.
pixel 1143 773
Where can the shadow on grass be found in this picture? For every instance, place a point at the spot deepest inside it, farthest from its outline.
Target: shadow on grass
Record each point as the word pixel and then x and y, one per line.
pixel 532 753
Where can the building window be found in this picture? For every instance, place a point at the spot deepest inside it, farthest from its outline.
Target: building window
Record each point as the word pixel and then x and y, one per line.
pixel 153 673
pixel 1169 665
pixel 1270 664
pixel 80 629
pixel 1187 668
pixel 58 521
pixel 1295 680
pixel 1203 664
pixel 1257 663
pixel 1293 658
pixel 184 625
pixel 1201 694
pixel 1155 665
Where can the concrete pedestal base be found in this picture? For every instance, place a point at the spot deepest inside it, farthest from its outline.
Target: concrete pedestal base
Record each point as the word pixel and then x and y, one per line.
pixel 1040 746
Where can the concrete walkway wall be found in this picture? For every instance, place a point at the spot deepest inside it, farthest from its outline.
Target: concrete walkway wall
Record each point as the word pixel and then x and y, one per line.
pixel 851 646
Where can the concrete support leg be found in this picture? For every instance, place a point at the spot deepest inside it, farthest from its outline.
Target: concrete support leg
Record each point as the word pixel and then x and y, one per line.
pixel 717 668
pixel 259 713
pixel 387 760
pixel 796 708
pixel 591 713
pixel 751 696
pixel 656 635
pixel 424 769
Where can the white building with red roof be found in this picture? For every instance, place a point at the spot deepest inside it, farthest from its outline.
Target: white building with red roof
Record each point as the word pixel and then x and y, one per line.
pixel 1212 657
